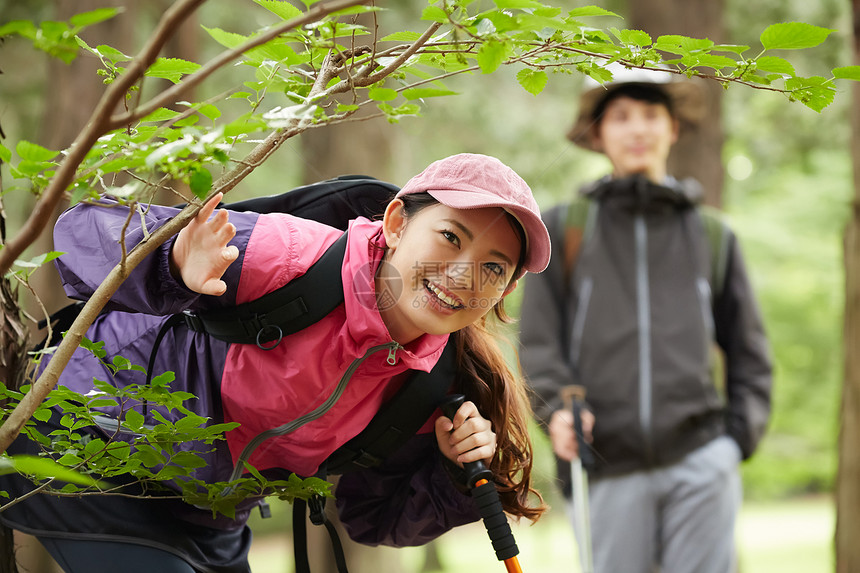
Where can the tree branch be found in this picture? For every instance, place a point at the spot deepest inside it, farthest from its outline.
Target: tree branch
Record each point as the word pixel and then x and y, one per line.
pixel 48 378
pixel 96 126
pixel 173 93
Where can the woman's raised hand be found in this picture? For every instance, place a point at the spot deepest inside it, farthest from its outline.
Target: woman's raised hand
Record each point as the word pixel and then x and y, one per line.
pixel 467 438
pixel 200 253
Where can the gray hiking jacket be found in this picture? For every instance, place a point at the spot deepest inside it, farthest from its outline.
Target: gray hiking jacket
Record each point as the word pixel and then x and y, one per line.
pixel 634 320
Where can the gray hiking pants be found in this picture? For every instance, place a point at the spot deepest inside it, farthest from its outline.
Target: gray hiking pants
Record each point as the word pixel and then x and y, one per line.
pixel 676 519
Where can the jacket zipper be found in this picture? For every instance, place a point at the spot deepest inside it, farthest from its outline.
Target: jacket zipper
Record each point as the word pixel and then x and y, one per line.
pixel 284 429
pixel 643 306
pixel 579 321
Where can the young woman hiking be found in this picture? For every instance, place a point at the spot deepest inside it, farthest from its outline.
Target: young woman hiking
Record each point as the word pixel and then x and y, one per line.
pixel 450 246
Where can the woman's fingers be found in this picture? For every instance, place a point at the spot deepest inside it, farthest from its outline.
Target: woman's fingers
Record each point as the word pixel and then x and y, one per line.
pixel 470 437
pixel 208 208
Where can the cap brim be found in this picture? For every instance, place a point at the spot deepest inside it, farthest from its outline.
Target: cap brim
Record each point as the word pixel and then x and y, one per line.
pixel 537 238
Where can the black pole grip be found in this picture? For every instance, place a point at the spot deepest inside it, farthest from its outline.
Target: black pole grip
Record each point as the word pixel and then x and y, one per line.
pixel 495 521
pixel 486 495
pixel 586 456
pixel 475 471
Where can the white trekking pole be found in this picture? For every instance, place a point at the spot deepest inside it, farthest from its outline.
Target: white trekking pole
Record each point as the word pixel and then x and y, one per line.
pixel 573 398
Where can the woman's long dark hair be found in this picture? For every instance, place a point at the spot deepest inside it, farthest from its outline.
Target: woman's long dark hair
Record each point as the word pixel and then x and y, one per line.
pixel 485 377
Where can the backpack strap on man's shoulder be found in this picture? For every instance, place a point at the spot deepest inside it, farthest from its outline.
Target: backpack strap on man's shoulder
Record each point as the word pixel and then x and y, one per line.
pixel 718 235
pixel 574 226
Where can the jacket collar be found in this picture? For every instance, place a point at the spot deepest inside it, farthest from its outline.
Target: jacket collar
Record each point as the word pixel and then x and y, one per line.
pixel 639 194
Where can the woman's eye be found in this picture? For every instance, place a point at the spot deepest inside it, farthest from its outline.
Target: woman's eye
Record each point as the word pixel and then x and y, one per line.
pixel 451 237
pixel 495 268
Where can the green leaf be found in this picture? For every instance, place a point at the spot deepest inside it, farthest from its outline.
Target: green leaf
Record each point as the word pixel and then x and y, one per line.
pixel 112 54
pixel 775 64
pixel 283 10
pixel 93 17
pixel 149 456
pixel 226 39
pixel 710 61
pixel 210 111
pixel 33 152
pixel 847 73
pixel 381 94
pixel 134 420
pixel 814 92
pixel 39 260
pixel 94 446
pixel 793 36
pixel 170 472
pixel 491 55
pixel 517 4
pixel 341 108
pixel 533 81
pixel 119 450
pixel 635 37
pixel 5 154
pixel 70 459
pixel 171 69
pixel 586 11
pixel 161 114
pixel 735 49
pixel 401 37
pixel 434 14
pixel 23 28
pixel 187 460
pixel 96 348
pixel 419 93
pixel 42 468
pixel 42 414
pixel 674 42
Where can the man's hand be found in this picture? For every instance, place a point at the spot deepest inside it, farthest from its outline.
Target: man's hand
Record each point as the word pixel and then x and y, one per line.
pixel 561 433
pixel 200 253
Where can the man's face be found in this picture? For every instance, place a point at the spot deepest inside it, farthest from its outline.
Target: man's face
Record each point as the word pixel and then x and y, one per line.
pixel 636 136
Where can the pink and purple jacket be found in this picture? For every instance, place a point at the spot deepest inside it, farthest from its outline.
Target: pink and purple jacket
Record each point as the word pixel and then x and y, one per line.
pixel 408 501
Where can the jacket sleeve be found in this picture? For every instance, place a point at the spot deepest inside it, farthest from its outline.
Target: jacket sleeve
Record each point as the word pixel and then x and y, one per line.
pixel 89 237
pixel 748 369
pixel 409 500
pixel 542 329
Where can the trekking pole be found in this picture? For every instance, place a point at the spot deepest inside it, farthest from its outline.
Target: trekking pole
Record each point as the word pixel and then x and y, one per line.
pixel 574 401
pixel 480 481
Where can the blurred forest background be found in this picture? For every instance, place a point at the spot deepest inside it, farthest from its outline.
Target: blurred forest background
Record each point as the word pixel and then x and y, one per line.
pixel 781 172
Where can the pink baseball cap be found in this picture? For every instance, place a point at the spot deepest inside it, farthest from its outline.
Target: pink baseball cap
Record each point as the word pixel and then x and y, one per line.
pixel 472 181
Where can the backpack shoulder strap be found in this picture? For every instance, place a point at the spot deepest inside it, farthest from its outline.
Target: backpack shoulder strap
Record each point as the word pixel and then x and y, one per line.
pixel 287 310
pixel 398 419
pixel 310 297
pixel 573 226
pixel 717 234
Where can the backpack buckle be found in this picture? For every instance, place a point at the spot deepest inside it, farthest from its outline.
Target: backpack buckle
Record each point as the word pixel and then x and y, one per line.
pixel 193 321
pixel 274 341
pixel 316 510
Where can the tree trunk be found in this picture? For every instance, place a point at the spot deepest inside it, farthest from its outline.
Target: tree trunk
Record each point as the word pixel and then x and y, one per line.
pixel 698 152
pixel 848 472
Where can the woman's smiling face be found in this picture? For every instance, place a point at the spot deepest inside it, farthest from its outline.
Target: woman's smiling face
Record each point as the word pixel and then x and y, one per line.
pixel 454 264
